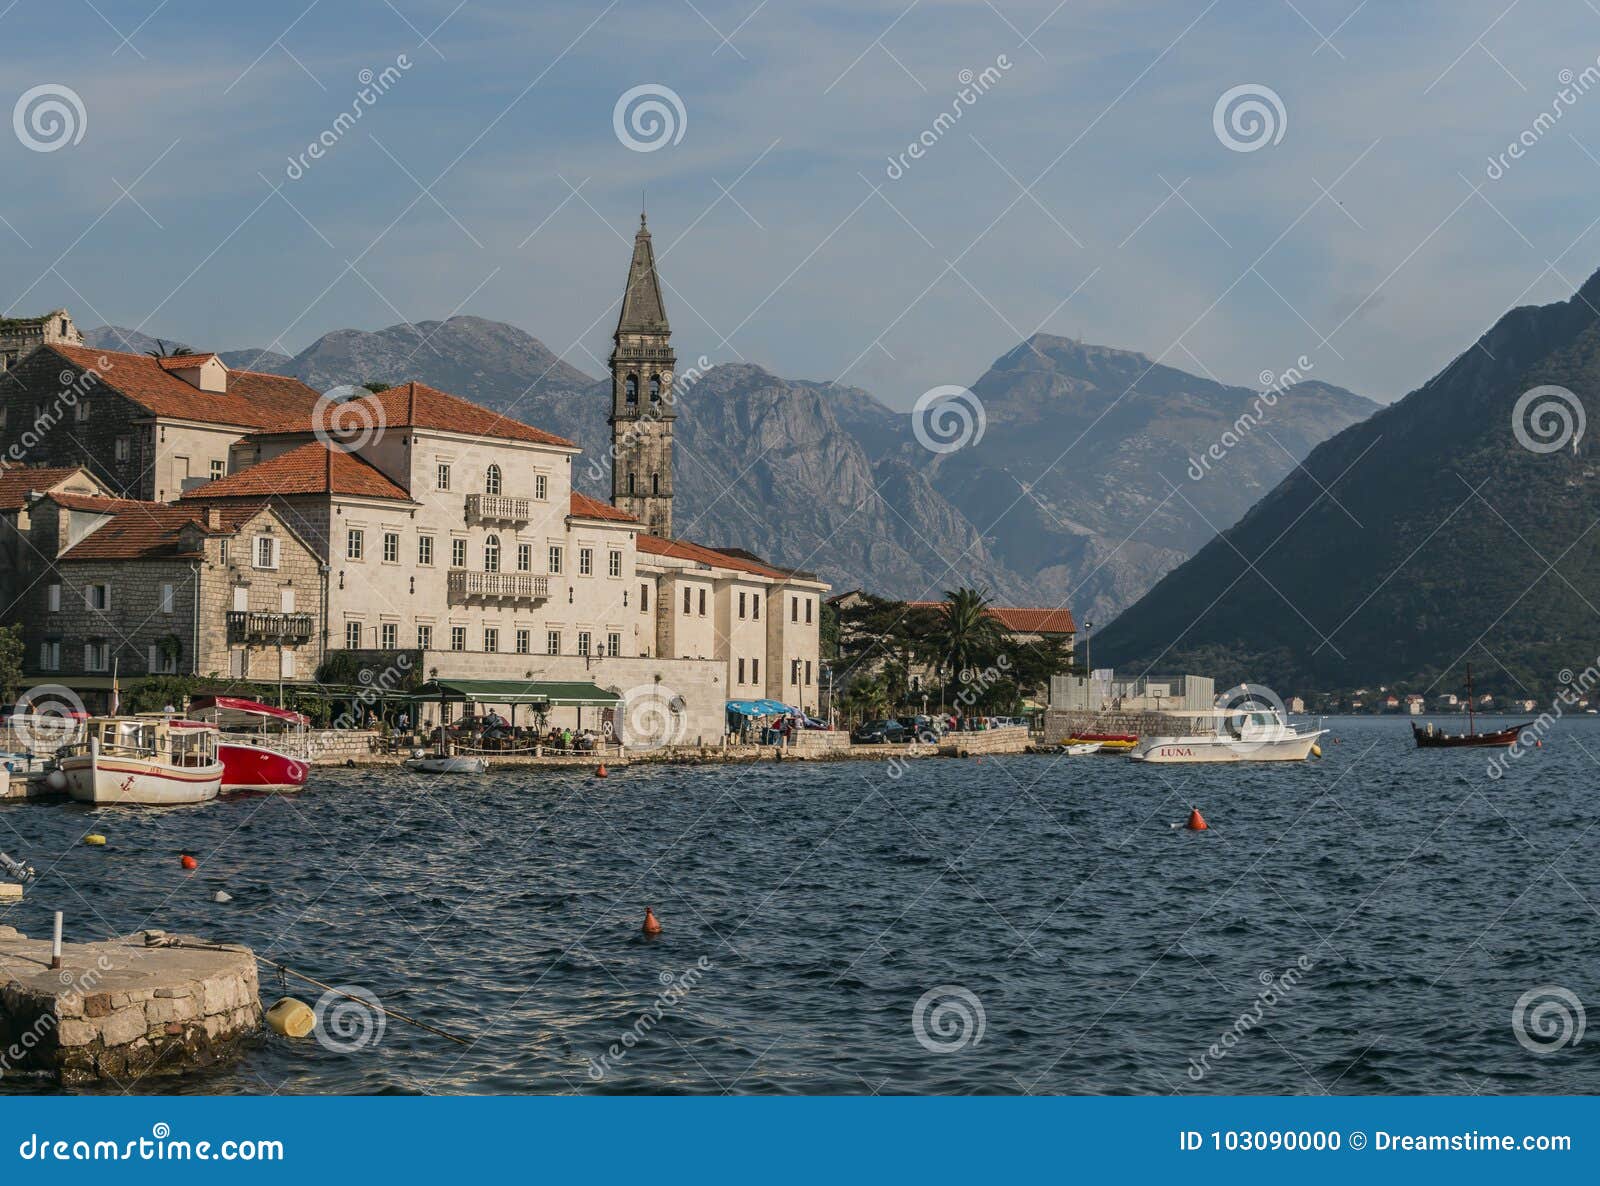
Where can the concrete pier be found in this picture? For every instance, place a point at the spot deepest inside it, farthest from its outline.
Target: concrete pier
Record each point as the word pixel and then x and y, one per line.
pixel 126 1007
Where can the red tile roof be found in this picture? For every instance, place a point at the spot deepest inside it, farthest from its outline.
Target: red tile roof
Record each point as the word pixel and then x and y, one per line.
pixel 17 483
pixel 1019 619
pixel 312 468
pixel 416 405
pixel 152 531
pixel 96 504
pixel 183 362
pixel 584 507
pixel 252 400
pixel 680 549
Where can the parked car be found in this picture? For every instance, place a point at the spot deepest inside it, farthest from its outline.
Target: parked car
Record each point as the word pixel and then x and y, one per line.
pixel 922 728
pixel 879 732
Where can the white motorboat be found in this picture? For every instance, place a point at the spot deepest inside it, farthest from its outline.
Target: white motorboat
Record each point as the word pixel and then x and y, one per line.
pixel 144 761
pixel 1080 748
pixel 446 763
pixel 1253 733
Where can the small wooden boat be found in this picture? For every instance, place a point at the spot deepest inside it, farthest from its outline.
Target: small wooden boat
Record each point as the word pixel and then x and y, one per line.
pixel 446 763
pixel 1079 748
pixel 144 761
pixel 1431 738
pixel 1108 742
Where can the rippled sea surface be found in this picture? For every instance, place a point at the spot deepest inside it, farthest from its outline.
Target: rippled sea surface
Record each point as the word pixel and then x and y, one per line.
pixel 1412 899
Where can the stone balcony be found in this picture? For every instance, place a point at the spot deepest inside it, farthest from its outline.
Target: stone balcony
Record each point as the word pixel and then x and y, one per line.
pixel 497 586
pixel 290 629
pixel 496 508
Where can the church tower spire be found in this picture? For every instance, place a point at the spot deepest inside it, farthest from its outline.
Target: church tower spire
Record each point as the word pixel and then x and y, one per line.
pixel 642 403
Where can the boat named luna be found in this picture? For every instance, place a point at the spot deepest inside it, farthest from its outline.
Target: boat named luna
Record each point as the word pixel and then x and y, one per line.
pixel 1251 733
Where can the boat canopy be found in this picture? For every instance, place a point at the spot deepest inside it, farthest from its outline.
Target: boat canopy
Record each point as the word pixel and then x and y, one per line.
pixel 566 693
pixel 234 710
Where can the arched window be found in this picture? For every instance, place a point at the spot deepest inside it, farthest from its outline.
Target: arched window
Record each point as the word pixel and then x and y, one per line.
pixel 491 480
pixel 491 554
pixel 655 483
pixel 633 483
pixel 632 388
pixel 655 389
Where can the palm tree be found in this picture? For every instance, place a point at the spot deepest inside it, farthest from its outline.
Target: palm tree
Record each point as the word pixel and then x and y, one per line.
pixel 967 636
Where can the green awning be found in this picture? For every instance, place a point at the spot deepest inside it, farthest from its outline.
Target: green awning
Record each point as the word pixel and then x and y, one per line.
pixel 518 691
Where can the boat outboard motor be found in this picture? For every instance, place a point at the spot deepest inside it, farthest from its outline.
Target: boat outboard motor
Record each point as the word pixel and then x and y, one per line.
pixel 18 869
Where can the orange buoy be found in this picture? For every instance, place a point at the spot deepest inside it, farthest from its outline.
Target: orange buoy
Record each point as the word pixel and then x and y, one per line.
pixel 651 926
pixel 1197 822
pixel 189 862
pixel 601 771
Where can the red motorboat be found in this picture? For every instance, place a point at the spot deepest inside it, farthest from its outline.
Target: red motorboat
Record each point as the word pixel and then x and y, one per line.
pixel 250 760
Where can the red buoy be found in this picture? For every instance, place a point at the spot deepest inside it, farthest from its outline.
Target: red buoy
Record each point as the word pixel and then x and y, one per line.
pixel 189 862
pixel 601 771
pixel 651 926
pixel 1197 822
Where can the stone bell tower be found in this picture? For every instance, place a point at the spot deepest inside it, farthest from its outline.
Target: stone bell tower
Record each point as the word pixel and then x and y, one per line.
pixel 642 397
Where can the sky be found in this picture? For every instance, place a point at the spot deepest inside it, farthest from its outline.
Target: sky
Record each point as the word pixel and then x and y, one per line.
pixel 1091 187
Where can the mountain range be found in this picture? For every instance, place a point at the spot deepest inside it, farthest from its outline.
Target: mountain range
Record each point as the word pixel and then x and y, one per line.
pixel 1456 526
pixel 1074 493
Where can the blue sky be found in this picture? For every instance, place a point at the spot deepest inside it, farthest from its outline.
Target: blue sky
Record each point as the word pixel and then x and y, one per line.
pixel 1085 193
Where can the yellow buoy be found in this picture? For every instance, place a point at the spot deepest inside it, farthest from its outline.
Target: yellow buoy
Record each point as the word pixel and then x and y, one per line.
pixel 95 839
pixel 1316 750
pixel 291 1018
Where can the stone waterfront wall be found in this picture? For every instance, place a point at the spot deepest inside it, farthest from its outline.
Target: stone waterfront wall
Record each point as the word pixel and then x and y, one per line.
pixel 1011 739
pixel 1059 724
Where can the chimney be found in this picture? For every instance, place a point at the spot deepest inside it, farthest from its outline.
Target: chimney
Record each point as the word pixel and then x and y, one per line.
pixel 213 518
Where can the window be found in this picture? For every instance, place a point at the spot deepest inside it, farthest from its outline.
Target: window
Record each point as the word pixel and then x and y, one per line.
pixel 755 609
pixel 808 673
pixel 702 603
pixel 424 638
pixel 741 605
pixel 50 655
pixel 794 609
pixel 123 449
pixel 541 487
pixel 524 557
pixel 80 411
pixel 688 600
pixel 355 543
pixel 655 389
pixel 491 554
pixel 425 550
pixel 555 558
pixel 583 642
pixel 585 562
pixel 808 611
pixel 217 470
pixel 352 635
pixel 755 671
pixel 389 636
pixel 458 553
pixel 442 478
pixel 741 671
pixel 552 642
pixel 655 484
pixel 491 639
pixel 491 480
pixel 631 389
pixel 644 598
pixel 613 645
pixel 286 664
pixel 794 672
pixel 286 601
pixel 96 656
pixel 166 599
pixel 524 641
pixel 54 594
pixel 266 552
pixel 158 663
pixel 241 598
pixel 614 563
pixel 458 638
pixel 224 553
pixel 97 597
pixel 391 547
pixel 633 483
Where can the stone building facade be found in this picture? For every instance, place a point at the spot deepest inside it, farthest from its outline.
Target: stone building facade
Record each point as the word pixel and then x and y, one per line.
pixel 643 403
pixel 19 335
